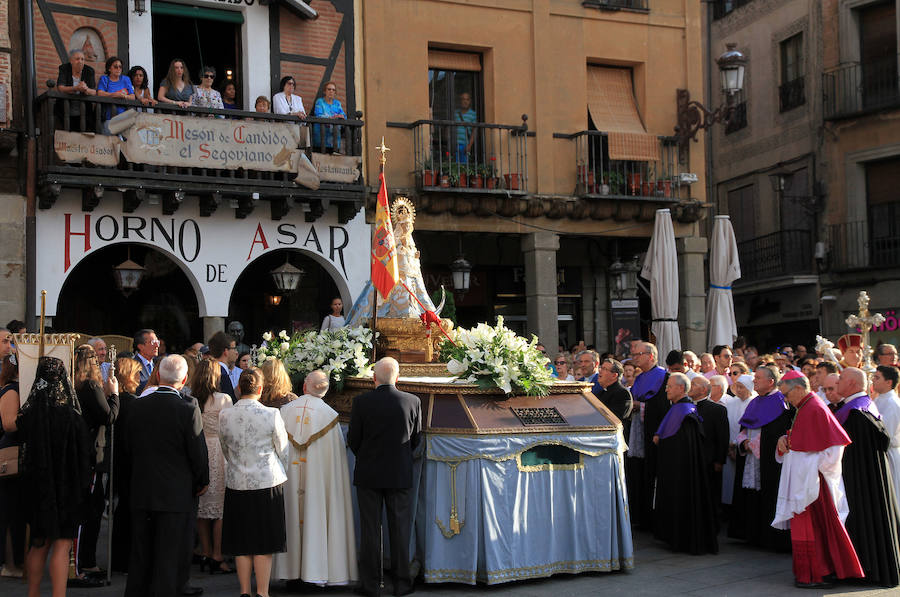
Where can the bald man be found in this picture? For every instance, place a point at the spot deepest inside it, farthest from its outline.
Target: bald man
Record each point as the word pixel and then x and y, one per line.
pixel 872 522
pixel 715 434
pixel 321 545
pixel 385 428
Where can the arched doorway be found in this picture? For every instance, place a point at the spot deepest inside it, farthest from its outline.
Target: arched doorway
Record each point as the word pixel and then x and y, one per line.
pixel 251 300
pixel 90 302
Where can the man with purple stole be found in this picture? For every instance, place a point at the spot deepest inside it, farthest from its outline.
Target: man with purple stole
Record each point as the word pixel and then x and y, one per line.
pixel 757 473
pixel 650 406
pixel 684 509
pixel 872 522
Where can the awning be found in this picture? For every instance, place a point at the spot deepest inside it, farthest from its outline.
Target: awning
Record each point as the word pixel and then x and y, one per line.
pixel 300 8
pixel 196 12
pixel 613 109
pixel 446 60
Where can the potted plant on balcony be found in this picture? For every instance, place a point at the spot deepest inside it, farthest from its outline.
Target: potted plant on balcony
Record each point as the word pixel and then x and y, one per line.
pixel 512 181
pixel 476 179
pixel 490 174
pixel 664 187
pixel 427 169
pixel 446 169
pixel 613 182
pixel 634 182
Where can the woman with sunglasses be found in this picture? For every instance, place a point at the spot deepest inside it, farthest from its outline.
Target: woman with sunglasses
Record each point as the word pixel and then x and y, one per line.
pixel 205 96
pixel 564 365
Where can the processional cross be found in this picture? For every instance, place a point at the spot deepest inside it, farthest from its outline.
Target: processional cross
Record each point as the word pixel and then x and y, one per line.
pixel 865 321
pixel 383 149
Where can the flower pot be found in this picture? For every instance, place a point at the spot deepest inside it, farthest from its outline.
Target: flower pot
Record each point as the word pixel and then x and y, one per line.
pixel 445 180
pixel 512 181
pixel 476 182
pixel 493 182
pixel 646 189
pixel 634 182
pixel 665 186
pixel 463 180
pixel 427 178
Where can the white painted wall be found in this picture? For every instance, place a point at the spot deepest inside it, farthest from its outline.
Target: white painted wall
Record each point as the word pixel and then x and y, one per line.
pixel 254 39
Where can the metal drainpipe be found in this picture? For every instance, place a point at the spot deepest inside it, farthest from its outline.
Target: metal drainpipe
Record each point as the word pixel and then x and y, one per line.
pixel 30 169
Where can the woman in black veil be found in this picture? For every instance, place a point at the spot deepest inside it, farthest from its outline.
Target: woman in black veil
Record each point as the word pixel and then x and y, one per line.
pixel 57 472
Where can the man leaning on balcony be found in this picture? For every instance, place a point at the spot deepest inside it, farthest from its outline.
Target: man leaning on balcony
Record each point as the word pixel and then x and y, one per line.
pixel 77 78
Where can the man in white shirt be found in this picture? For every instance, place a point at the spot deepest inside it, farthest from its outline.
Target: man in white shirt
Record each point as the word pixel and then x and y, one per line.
pixel 884 382
pixel 100 348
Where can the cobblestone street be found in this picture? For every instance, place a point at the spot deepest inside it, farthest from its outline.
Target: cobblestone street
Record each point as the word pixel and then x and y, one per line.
pixel 736 571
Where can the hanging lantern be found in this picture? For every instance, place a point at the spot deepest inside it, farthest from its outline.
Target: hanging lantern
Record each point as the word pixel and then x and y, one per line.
pixel 287 277
pixel 128 275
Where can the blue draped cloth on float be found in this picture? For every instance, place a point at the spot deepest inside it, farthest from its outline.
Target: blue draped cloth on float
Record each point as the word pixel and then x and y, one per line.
pixel 517 521
pixel 400 304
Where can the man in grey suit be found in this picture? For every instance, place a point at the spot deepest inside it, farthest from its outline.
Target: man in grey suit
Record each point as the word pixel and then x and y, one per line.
pixel 385 428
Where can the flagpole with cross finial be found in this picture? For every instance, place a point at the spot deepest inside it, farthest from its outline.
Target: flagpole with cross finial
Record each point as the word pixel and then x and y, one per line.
pixel 383 149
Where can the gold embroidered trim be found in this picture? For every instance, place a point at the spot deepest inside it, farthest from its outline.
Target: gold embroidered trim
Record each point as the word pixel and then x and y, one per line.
pixel 314 436
pixel 455 524
pixel 536 468
pixel 517 453
pixel 544 570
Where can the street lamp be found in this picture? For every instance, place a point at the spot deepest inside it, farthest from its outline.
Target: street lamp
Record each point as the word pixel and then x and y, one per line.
pixel 782 179
pixel 694 116
pixel 140 7
pixel 286 277
pixel 461 271
pixel 128 275
pixel 624 277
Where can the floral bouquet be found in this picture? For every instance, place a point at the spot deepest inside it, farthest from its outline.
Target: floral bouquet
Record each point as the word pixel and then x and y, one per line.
pixel 339 353
pixel 495 357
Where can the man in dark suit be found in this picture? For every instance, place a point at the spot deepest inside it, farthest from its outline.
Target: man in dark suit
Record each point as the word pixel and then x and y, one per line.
pixel 385 428
pixel 146 347
pixel 169 468
pixel 222 348
pixel 86 85
pixel 614 395
pixel 715 434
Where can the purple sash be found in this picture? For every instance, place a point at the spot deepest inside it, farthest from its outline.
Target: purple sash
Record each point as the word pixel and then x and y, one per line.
pixel 863 403
pixel 671 423
pixel 647 384
pixel 762 410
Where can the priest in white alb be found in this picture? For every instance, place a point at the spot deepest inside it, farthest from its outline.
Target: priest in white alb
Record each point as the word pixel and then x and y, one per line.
pixel 321 543
pixel 884 383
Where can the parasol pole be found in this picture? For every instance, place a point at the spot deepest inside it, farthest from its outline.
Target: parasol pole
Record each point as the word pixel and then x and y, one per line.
pixel 41 330
pixel 111 356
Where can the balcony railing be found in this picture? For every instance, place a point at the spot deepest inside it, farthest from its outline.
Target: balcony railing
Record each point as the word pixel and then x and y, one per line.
pixel 475 157
pixel 599 176
pixel 58 111
pixel 860 245
pixel 782 253
pixel 792 94
pixel 857 88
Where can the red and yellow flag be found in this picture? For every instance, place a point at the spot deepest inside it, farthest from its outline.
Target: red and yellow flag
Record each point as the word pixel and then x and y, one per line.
pixel 385 274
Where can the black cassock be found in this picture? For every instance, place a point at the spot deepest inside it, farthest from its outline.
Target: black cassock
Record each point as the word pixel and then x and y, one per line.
pixel 872 523
pixel 640 473
pixel 753 511
pixel 685 516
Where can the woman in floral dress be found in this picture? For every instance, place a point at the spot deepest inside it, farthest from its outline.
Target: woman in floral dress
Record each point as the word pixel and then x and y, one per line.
pixel 205 96
pixel 209 514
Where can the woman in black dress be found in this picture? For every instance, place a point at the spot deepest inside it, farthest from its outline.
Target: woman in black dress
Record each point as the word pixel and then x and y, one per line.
pixel 100 406
pixel 11 487
pixel 57 472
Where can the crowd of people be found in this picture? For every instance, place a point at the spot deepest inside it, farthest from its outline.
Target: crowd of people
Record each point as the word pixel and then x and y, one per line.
pixel 201 457
pixel 795 451
pixel 178 89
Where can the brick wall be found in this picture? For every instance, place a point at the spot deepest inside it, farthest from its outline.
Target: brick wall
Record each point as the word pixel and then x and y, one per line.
pixel 313 38
pixel 47 60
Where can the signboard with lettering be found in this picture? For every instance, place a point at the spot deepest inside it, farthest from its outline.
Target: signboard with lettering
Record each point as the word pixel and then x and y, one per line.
pixel 337 168
pixel 225 144
pixel 70 147
pixel 212 251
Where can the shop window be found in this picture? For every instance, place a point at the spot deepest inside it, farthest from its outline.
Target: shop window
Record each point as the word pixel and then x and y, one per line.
pixel 791 91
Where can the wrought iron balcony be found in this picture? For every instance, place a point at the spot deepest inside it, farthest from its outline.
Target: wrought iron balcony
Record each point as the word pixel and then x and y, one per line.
pixel 59 113
pixel 599 176
pixel 782 253
pixel 722 8
pixel 858 88
pixel 476 157
pixel 792 94
pixel 872 244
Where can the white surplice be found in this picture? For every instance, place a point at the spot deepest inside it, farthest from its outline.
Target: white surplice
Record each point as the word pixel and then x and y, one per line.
pixel 799 484
pixel 889 406
pixel 321 543
pixel 735 407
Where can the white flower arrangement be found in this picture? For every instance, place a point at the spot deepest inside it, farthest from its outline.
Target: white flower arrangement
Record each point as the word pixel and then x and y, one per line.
pixel 495 357
pixel 340 353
